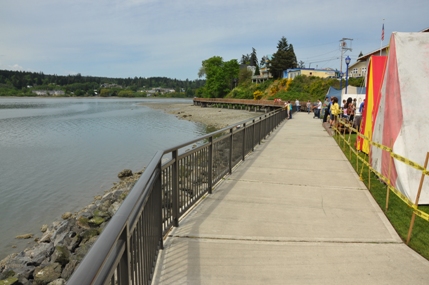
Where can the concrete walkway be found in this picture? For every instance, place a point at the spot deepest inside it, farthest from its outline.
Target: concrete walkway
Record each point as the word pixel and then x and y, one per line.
pixel 294 212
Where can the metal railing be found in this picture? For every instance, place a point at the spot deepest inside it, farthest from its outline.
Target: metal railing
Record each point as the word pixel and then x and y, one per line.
pixel 249 102
pixel 175 179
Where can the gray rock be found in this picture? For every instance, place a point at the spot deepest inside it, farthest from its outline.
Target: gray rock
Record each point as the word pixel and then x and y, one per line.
pixel 102 214
pixel 69 269
pixel 61 232
pixel 61 255
pixel 58 282
pixel 23 281
pixel 114 208
pixel 89 234
pixel 44 275
pixel 66 215
pixel 39 253
pixel 96 221
pixel 24 236
pixel 46 237
pixel 125 173
pixel 82 250
pixel 9 281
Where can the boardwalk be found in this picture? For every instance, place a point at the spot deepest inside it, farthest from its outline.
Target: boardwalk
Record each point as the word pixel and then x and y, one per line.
pixel 294 212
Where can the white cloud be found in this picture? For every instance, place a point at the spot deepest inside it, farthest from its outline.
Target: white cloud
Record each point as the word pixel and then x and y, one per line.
pixel 170 38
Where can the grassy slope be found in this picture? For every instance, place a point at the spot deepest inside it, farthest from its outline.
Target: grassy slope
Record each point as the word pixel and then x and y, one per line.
pixel 398 213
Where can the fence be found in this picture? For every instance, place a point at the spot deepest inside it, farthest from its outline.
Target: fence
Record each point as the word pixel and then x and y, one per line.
pixel 175 179
pixel 346 127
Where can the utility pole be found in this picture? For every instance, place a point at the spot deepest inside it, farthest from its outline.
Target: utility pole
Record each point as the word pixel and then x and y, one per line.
pixel 345 45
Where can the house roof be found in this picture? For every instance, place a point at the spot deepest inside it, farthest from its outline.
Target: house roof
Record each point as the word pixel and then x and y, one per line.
pixel 368 55
pixel 377 51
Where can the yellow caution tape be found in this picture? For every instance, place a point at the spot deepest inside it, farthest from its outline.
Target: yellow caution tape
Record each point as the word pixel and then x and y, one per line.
pixel 409 162
pixel 402 196
pixel 421 214
pixel 386 180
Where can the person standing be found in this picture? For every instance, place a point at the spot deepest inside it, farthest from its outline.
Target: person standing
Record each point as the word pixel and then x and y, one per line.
pixel 327 108
pixel 319 107
pixel 289 104
pixel 362 105
pixel 350 109
pixel 308 107
pixel 297 105
pixel 335 111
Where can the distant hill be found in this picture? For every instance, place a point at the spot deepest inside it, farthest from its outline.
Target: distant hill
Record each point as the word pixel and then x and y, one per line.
pixel 22 83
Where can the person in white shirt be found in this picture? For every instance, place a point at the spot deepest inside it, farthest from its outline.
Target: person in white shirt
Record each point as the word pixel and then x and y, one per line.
pixel 297 105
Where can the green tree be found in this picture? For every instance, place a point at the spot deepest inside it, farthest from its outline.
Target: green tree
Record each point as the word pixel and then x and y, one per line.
pixel 244 76
pixel 220 76
pixel 245 59
pixel 105 92
pixel 253 58
pixel 283 59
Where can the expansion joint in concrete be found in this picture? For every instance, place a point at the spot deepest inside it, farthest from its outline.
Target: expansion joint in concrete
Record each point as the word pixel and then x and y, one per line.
pixel 284 240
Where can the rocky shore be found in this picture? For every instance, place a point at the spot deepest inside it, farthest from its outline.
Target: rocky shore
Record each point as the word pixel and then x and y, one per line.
pixel 60 247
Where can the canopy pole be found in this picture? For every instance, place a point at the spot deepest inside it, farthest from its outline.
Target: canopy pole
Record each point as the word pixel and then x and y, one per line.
pixel 413 217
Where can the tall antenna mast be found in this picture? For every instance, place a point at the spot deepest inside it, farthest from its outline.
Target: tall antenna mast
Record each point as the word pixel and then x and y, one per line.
pixel 345 45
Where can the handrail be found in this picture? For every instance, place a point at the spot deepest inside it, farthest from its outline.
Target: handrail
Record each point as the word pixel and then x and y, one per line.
pixel 102 249
pixel 270 103
pixel 127 249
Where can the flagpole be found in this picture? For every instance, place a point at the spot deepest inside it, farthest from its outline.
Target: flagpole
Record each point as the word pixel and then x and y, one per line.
pixel 382 37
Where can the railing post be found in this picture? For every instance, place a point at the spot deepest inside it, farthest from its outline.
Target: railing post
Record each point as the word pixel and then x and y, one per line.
pixel 253 135
pixel 124 268
pixel 158 190
pixel 210 174
pixel 175 186
pixel 260 130
pixel 231 132
pixel 243 152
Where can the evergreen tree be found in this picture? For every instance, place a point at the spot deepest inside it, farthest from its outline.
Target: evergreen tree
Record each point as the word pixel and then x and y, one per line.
pixel 283 59
pixel 253 58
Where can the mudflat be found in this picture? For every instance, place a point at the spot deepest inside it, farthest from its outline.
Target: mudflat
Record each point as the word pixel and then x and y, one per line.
pixel 210 116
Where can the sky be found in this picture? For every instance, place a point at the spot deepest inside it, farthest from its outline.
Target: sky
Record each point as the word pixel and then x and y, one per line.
pixel 171 38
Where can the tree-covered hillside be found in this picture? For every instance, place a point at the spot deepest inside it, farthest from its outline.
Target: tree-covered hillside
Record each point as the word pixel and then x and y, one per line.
pixel 22 83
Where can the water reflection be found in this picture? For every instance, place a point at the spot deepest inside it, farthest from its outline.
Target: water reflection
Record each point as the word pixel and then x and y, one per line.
pixel 56 154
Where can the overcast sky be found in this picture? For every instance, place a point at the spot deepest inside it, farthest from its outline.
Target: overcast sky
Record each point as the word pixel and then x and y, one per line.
pixel 145 38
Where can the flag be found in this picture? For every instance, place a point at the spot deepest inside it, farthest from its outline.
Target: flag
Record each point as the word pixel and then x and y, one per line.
pixel 382 33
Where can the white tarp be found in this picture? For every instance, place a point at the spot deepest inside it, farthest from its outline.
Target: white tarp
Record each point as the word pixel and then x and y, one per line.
pixel 403 115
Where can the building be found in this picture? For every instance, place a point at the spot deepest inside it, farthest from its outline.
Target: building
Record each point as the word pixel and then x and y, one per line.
pixel 359 68
pixel 323 73
pixel 48 92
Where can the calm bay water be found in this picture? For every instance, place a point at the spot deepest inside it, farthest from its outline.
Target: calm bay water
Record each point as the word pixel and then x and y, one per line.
pixel 56 154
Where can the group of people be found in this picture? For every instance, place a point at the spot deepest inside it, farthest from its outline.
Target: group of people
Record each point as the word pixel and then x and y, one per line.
pixel 331 107
pixel 333 110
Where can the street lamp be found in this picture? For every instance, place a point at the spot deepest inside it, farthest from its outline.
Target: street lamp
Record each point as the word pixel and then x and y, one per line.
pixel 347 70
